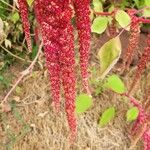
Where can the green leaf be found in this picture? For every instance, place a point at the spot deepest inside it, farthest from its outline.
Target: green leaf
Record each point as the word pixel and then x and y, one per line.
pixel 114 83
pixel 146 12
pixel 1 78
pixel 99 25
pixel 107 116
pixel 137 3
pixel 147 2
pixel 98 7
pixel 83 102
pixel 108 55
pixel 30 2
pixel 132 114
pixel 15 17
pixel 123 18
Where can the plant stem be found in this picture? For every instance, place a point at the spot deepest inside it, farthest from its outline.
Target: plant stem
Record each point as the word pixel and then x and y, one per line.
pixel 12 54
pixel 24 73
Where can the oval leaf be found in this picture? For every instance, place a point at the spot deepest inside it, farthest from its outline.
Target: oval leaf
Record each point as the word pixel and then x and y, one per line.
pixel 15 17
pixel 147 2
pixel 83 102
pixel 146 12
pixel 108 55
pixel 132 114
pixel 99 25
pixel 98 7
pixel 107 116
pixel 123 18
pixel 114 83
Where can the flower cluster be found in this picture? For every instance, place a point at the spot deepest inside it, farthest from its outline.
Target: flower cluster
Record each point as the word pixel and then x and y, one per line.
pixel 82 11
pixel 141 64
pixel 133 39
pixel 54 18
pixel 23 9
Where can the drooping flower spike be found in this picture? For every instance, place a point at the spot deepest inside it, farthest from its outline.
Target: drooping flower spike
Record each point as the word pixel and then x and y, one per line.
pixel 141 64
pixel 54 18
pixel 83 24
pixel 133 39
pixel 23 9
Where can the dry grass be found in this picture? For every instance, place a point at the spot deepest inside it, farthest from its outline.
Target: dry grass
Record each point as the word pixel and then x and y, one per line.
pixel 49 131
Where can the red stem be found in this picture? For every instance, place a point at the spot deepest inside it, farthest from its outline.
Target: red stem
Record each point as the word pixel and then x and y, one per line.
pixel 104 13
pixel 143 20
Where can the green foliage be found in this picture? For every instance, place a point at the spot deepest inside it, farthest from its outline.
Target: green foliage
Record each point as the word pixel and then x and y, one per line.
pixel 107 116
pixel 15 17
pixel 108 55
pixel 146 12
pixel 132 114
pixel 99 24
pixel 123 18
pixel 30 2
pixel 114 83
pixel 98 7
pixel 83 102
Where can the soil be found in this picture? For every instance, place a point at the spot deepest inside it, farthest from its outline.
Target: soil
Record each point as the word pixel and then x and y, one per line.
pixel 38 127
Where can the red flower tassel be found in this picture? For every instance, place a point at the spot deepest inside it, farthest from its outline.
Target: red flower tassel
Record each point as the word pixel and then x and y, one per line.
pixel 141 65
pixel 133 40
pixel 82 10
pixel 50 36
pixel 23 9
pixel 54 18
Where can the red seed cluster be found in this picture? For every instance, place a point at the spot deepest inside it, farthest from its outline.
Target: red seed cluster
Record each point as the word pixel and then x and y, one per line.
pixel 54 18
pixel 82 12
pixel 23 9
pixel 141 64
pixel 146 138
pixel 133 39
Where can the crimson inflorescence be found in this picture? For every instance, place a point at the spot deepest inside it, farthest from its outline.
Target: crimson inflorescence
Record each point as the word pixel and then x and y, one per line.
pixel 143 118
pixel 82 11
pixel 141 64
pixel 133 39
pixel 54 22
pixel 23 9
pixel 54 18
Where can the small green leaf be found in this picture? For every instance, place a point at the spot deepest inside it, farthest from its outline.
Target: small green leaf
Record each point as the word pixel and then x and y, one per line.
pixel 107 116
pixel 108 55
pixel 147 2
pixel 1 78
pixel 123 18
pixel 99 24
pixel 15 17
pixel 30 2
pixel 137 3
pixel 146 12
pixel 132 114
pixel 114 83
pixel 83 102
pixel 98 7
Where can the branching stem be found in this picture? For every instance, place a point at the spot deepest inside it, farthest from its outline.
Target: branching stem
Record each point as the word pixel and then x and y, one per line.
pixel 23 74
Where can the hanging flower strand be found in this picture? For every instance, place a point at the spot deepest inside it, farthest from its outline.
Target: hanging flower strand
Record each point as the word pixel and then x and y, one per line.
pixel 83 24
pixel 23 9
